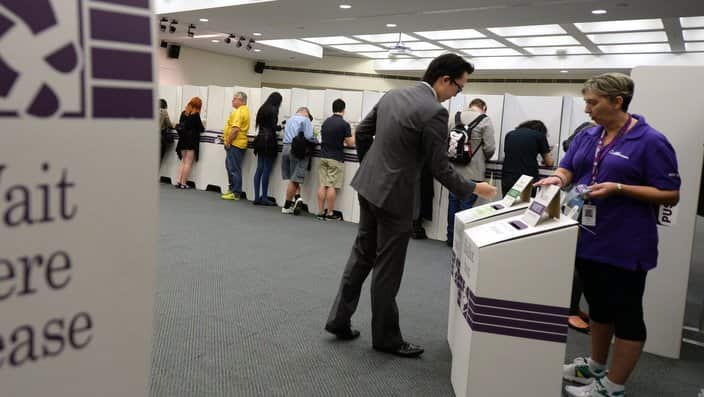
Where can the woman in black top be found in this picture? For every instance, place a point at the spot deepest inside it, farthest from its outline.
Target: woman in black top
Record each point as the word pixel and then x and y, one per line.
pixel 265 146
pixel 189 129
pixel 521 148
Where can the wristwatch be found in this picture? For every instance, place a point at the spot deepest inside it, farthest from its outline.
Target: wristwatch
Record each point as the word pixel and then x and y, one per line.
pixel 619 187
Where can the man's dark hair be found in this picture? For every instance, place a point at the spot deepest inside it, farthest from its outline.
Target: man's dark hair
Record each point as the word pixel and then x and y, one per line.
pixel 338 105
pixel 451 65
pixel 478 102
pixel 535 125
pixel 162 103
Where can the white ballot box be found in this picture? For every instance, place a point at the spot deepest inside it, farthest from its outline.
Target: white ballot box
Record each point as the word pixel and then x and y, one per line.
pixel 515 281
pixel 514 201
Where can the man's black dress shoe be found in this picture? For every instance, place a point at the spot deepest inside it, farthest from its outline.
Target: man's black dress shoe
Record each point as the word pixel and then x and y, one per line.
pixel 405 349
pixel 344 334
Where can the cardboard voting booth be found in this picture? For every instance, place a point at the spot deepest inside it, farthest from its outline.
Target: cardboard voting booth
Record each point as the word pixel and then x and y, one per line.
pixel 515 279
pixel 515 201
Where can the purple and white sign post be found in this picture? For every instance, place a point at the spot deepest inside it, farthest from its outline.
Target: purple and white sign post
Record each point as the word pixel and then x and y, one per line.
pixel 78 197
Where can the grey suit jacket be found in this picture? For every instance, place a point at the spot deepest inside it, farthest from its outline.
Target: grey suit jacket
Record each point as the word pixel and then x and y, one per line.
pixel 409 127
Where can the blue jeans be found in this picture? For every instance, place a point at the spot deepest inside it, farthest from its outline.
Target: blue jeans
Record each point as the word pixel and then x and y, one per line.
pixel 261 176
pixel 233 164
pixel 454 206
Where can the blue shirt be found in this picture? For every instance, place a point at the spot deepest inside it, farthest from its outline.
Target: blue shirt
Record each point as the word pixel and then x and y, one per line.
pixel 626 233
pixel 294 124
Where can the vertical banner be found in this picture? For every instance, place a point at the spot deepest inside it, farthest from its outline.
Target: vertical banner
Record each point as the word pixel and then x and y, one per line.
pixel 78 197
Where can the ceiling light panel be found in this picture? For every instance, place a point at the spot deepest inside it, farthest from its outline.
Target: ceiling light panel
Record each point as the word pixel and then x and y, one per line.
pixel 693 35
pixel 572 50
pixel 620 26
pixel 451 34
pixel 694 46
pixel 492 52
pixel 534 30
pixel 429 54
pixel 625 38
pixel 692 22
pixel 328 40
pixel 635 48
pixel 375 55
pixel 417 45
pixel 208 36
pixel 476 43
pixel 543 41
pixel 385 37
pixel 357 47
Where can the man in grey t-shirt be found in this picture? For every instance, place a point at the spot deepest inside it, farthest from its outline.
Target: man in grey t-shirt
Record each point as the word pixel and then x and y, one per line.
pixel 475 170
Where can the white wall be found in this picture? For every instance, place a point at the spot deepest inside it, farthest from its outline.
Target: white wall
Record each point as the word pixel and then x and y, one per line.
pixel 196 67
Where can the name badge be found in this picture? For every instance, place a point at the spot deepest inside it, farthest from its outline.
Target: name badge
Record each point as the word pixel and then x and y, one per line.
pixel 589 215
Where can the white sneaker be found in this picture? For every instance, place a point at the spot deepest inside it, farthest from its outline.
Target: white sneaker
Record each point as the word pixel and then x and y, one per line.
pixel 595 389
pixel 579 372
pixel 288 210
pixel 297 206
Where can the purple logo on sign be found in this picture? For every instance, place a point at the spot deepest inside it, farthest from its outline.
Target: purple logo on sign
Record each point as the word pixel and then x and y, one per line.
pixel 47 47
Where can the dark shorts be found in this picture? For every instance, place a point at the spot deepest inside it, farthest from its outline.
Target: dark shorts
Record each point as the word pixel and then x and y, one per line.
pixel 615 295
pixel 293 168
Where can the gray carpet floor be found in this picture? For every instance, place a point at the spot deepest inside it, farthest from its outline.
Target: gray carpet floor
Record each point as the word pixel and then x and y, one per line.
pixel 243 292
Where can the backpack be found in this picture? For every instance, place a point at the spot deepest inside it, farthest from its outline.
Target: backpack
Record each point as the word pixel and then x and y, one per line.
pixel 459 149
pixel 299 144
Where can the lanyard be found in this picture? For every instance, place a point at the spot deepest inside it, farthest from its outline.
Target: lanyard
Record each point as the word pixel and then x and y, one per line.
pixel 601 151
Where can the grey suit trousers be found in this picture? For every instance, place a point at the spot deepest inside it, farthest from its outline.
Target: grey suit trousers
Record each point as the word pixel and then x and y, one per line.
pixel 380 248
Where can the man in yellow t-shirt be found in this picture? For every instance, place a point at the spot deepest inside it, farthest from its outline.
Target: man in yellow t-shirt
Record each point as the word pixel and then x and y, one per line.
pixel 234 136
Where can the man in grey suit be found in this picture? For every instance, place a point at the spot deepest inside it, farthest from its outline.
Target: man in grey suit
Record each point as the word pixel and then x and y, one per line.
pixel 409 126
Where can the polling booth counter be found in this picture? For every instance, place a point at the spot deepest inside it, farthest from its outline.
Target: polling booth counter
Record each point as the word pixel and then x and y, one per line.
pixel 515 201
pixel 514 282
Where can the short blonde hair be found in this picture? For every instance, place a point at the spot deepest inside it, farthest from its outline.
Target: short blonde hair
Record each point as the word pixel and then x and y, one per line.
pixel 611 85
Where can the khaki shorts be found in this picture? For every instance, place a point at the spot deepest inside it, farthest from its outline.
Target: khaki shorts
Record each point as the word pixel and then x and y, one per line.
pixel 332 173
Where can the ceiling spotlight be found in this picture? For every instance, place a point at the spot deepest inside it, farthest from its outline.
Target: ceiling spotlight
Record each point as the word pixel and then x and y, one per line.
pixel 256 34
pixel 391 25
pixel 204 19
pixel 564 71
pixel 345 6
pixel 257 50
pixel 172 26
pixel 162 24
pixel 238 44
pixel 229 38
pixel 251 41
pixel 599 12
pixel 215 41
pixel 190 30
pixel 249 47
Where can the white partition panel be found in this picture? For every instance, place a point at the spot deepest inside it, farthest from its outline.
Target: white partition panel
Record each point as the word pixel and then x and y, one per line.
pixel 254 102
pixel 458 103
pixel 285 110
pixel 226 109
pixel 353 105
pixel 172 95
pixel 316 103
pixel 666 289
pixel 518 109
pixel 219 105
pixel 190 91
pixel 369 99
pixel 572 117
pixel 300 97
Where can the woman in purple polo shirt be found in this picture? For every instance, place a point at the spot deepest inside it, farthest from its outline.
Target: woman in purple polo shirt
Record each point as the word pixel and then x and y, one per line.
pixel 631 169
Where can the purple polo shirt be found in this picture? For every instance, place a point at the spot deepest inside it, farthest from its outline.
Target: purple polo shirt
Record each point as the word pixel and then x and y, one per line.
pixel 626 232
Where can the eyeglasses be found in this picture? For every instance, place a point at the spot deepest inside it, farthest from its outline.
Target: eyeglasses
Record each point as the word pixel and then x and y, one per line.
pixel 459 87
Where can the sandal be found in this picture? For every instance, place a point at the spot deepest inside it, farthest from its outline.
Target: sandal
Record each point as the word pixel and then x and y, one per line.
pixel 577 324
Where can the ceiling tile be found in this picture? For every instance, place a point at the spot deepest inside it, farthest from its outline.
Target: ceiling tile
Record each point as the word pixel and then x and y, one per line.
pixel 694 46
pixel 635 48
pixel 430 54
pixel 692 22
pixel 543 41
pixel 417 45
pixel 357 47
pixel 476 43
pixel 451 34
pixel 328 40
pixel 492 52
pixel 622 38
pixel 568 50
pixel 693 35
pixel 620 26
pixel 385 37
pixel 533 30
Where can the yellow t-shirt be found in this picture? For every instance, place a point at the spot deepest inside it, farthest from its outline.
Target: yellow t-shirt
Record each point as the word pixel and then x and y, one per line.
pixel 238 118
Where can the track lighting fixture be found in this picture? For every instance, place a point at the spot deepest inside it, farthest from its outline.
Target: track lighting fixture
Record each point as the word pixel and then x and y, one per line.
pixel 190 32
pixel 172 26
pixel 229 38
pixel 162 24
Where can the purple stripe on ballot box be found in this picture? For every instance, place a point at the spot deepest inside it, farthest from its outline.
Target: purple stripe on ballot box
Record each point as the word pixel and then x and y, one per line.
pixel 131 3
pixel 515 332
pixel 121 65
pixel 113 102
pixel 124 28
pixel 507 311
pixel 516 322
pixel 530 307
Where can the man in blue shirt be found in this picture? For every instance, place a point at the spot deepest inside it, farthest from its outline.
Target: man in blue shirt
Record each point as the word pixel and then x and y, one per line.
pixel 293 168
pixel 335 134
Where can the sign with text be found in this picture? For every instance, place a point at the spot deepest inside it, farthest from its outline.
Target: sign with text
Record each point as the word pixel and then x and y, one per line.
pixel 547 201
pixel 520 191
pixel 78 197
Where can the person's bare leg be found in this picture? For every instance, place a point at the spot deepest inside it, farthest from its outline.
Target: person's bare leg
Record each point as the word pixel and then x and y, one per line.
pixel 291 189
pixel 331 196
pixel 321 199
pixel 625 358
pixel 188 156
pixel 601 334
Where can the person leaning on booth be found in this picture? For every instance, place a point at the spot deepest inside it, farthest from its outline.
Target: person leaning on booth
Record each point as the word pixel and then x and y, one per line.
pixel 631 168
pixel 189 128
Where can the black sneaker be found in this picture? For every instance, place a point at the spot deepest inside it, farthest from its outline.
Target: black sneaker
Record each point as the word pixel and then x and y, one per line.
pixel 321 217
pixel 334 216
